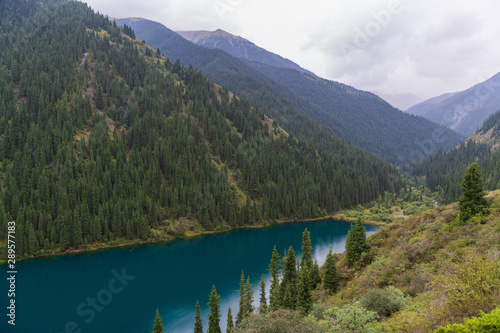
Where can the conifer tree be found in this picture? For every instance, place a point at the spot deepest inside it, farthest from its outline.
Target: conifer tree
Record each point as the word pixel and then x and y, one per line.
pixel 214 314
pixel 198 324
pixel 355 242
pixel 158 325
pixel 263 300
pixel 314 276
pixel 230 324
pixel 99 100
pixel 248 297
pixel 472 201
pixel 304 295
pixel 242 302
pixel 288 286
pixel 274 292
pixel 307 259
pixel 331 279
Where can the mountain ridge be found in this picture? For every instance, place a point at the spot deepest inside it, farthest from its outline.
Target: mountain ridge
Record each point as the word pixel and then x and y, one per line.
pixel 356 116
pixel 238 46
pixel 463 111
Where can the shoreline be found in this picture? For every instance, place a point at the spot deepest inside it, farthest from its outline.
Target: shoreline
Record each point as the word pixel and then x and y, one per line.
pixel 95 247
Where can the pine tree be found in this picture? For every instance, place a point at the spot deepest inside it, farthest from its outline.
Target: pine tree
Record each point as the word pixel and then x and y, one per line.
pixel 248 298
pixel 288 287
pixel 304 295
pixel 99 99
pixel 331 279
pixel 307 259
pixel 314 276
pixel 355 242
pixel 214 314
pixel 230 324
pixel 472 201
pixel 274 292
pixel 198 325
pixel 241 312
pixel 158 325
pixel 263 300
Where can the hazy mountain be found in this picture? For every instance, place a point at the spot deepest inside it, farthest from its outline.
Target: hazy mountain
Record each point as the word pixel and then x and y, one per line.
pixel 400 101
pixel 422 108
pixel 238 47
pixel 463 111
pixel 356 116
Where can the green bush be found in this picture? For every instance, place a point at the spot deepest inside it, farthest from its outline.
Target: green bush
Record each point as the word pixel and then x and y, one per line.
pixel 280 321
pixel 349 318
pixel 487 323
pixel 384 302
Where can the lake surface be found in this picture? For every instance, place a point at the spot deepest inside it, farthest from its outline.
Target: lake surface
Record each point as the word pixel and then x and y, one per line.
pixel 118 290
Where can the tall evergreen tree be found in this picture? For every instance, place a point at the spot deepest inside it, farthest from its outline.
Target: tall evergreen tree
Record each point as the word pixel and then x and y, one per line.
pixel 314 276
pixel 274 292
pixel 331 279
pixel 472 201
pixel 355 242
pixel 158 325
pixel 263 300
pixel 230 324
pixel 214 314
pixel 307 259
pixel 288 286
pixel 242 302
pixel 198 324
pixel 248 297
pixel 304 295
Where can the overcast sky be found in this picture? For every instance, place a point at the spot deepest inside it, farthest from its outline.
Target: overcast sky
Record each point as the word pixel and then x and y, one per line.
pixel 390 47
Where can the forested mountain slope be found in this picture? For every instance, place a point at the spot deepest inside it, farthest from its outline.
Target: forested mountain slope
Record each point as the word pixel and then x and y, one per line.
pixel 443 171
pixel 228 71
pixel 104 140
pixel 356 116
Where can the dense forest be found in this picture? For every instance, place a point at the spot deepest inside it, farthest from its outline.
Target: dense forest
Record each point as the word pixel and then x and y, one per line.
pixel 443 171
pixel 103 139
pixel 289 96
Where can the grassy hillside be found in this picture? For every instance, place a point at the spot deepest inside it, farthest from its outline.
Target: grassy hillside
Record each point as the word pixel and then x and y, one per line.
pixel 449 270
pixel 418 274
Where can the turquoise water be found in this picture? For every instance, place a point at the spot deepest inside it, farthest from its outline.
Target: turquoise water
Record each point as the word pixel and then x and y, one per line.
pixel 118 290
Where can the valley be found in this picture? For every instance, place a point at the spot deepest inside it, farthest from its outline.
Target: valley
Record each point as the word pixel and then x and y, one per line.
pixel 143 166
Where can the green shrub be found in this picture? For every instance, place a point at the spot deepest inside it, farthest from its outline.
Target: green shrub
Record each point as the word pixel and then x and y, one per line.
pixel 280 321
pixel 384 302
pixel 487 323
pixel 348 318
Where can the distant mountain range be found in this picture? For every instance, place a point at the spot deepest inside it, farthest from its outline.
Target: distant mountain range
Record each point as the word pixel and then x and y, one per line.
pixel 463 111
pixel 286 94
pixel 238 47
